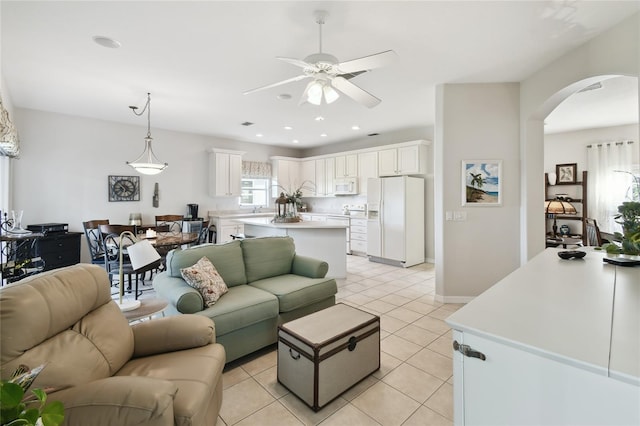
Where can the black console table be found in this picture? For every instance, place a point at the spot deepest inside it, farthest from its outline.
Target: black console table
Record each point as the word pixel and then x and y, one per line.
pixel 22 255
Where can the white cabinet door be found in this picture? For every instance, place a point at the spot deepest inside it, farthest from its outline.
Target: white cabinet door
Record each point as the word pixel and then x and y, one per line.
pixel 409 160
pixel 346 166
pixel 405 160
pixel 235 175
pixel 387 162
pixel 514 386
pixel 286 176
pixel 225 174
pixel 308 178
pixel 329 172
pixel 367 168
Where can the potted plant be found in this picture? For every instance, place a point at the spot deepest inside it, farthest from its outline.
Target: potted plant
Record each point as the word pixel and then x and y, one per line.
pixel 629 217
pixel 16 408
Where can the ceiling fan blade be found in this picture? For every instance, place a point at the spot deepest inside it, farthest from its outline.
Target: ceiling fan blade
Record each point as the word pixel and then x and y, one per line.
pixel 354 92
pixel 297 62
pixel 280 83
pixel 368 62
pixel 350 75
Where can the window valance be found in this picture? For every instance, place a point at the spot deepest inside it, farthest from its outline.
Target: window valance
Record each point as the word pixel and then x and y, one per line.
pixel 256 170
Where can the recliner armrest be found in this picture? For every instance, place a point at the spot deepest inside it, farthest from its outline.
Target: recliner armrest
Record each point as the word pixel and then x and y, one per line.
pixel 309 267
pixel 118 400
pixel 171 334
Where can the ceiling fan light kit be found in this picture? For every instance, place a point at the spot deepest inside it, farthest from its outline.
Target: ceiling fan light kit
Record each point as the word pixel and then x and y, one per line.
pixel 330 77
pixel 147 163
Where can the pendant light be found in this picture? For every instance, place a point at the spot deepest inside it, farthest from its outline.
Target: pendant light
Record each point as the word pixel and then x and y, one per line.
pixel 147 163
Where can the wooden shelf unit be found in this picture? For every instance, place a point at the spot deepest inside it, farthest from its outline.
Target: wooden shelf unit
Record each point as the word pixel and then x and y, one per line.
pixel 582 212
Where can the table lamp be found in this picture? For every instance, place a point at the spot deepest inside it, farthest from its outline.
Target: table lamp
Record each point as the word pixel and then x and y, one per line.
pixel 141 254
pixel 558 206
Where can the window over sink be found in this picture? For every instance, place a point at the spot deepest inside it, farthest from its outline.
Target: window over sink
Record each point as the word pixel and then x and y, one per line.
pixel 254 192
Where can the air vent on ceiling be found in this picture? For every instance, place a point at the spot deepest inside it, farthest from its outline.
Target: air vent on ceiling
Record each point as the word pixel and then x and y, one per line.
pixel 247 123
pixel 373 134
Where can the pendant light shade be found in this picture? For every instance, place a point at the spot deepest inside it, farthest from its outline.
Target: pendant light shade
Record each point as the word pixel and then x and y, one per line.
pixel 147 163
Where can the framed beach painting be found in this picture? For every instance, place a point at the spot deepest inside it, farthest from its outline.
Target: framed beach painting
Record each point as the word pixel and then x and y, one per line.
pixel 481 182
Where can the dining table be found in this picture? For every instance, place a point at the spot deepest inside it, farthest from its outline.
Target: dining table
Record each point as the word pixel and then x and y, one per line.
pixel 170 239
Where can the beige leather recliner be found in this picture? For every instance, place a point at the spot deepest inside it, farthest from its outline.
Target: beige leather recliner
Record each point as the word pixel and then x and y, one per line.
pixel 160 372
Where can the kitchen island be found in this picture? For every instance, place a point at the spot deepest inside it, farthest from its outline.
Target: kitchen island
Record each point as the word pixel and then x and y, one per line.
pixel 555 342
pixel 321 240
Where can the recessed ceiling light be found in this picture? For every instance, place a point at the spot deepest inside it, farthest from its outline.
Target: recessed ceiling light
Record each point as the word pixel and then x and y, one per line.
pixel 323 135
pixel 284 96
pixel 355 127
pixel 319 118
pixel 107 42
pixel 288 128
pixel 295 141
pixel 259 135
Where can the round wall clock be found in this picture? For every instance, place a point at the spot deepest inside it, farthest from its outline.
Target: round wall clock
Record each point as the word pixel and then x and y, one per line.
pixel 124 188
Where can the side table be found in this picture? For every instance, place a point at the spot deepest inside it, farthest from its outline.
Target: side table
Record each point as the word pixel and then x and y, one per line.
pixel 148 308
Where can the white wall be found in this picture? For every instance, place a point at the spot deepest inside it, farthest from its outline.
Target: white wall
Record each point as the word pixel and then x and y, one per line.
pixel 570 147
pixel 475 122
pixel 62 172
pixel 613 53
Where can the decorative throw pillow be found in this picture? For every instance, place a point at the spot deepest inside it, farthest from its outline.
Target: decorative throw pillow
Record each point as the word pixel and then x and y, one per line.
pixel 204 277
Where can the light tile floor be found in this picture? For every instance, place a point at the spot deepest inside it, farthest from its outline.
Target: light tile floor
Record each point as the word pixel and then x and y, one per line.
pixel 413 385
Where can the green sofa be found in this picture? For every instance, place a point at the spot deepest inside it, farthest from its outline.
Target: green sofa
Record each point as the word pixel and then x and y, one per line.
pixel 269 284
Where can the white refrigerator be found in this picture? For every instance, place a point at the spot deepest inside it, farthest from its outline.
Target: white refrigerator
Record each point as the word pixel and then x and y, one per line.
pixel 395 220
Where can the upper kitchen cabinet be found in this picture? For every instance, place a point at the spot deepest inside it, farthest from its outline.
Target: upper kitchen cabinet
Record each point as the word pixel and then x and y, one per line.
pixel 410 159
pixel 367 168
pixel 308 178
pixel 346 165
pixel 225 173
pixel 325 172
pixel 286 175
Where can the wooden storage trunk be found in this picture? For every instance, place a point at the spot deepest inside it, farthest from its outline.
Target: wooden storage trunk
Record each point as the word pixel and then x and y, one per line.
pixel 323 354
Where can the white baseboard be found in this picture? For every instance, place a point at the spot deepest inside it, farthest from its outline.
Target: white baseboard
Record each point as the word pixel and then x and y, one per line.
pixel 453 299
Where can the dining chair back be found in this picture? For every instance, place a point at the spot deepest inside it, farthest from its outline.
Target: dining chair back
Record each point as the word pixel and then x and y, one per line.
pixel 173 220
pixel 94 239
pixel 593 232
pixel 203 237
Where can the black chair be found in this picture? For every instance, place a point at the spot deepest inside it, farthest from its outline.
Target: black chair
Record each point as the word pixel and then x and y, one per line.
pixel 112 246
pixel 594 238
pixel 174 222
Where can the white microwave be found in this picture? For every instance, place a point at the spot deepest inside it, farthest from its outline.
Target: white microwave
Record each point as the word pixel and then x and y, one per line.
pixel 345 186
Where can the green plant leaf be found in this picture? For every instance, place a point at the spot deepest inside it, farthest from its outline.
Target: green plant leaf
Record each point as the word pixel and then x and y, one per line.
pixel 31 415
pixel 11 395
pixel 53 414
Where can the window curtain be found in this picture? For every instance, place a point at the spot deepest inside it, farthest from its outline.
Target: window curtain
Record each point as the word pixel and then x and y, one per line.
pixel 256 170
pixel 610 180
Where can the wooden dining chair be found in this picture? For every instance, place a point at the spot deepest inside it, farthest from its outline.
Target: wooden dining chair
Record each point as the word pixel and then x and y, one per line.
pixel 174 222
pixel 594 238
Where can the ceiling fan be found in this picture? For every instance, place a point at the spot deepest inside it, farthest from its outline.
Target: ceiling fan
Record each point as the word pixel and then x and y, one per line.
pixel 331 76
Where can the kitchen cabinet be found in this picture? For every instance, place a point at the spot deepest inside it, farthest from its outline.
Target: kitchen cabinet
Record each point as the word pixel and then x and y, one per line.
pixel 308 178
pixel 286 175
pixel 225 228
pixel 358 236
pixel 404 160
pixel 555 342
pixel 325 172
pixel 367 168
pixel 346 166
pixel 225 173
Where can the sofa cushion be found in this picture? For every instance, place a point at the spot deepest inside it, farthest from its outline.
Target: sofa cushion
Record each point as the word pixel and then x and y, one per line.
pixel 294 291
pixel 227 258
pixel 242 306
pixel 204 277
pixel 267 257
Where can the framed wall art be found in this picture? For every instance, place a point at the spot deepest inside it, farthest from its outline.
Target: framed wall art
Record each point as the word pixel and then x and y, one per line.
pixel 124 188
pixel 481 182
pixel 566 173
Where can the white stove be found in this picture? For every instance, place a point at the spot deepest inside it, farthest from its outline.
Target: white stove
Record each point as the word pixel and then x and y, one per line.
pixel 355 210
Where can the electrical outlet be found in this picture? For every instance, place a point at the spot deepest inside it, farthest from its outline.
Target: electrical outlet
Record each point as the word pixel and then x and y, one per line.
pixel 449 215
pixel 460 216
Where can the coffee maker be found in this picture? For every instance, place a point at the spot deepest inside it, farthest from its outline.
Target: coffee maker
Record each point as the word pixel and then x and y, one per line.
pixel 192 210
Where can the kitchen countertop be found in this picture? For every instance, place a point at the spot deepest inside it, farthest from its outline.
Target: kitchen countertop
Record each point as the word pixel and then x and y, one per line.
pixel 237 214
pixel 567 310
pixel 266 222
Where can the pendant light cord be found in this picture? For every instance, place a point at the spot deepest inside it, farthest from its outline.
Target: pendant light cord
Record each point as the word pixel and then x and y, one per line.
pixel 147 107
